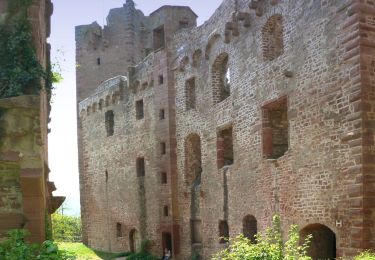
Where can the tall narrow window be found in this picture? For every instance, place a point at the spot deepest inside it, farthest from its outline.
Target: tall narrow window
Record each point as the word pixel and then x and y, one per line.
pixel 275 129
pixel 161 114
pixel 272 37
pixel 190 94
pixel 141 167
pixel 164 178
pixel 98 61
pixel 223 231
pixel 109 122
pixel 163 148
pixel 159 40
pixel 166 211
pixel 139 110
pixel 161 79
pixel 225 147
pixel 220 78
pixel 119 230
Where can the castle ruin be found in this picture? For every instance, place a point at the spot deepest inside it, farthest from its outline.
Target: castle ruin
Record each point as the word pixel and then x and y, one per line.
pixel 189 134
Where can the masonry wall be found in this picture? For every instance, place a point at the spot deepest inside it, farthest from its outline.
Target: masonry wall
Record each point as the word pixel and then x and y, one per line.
pixel 26 199
pixel 266 108
pixel 319 179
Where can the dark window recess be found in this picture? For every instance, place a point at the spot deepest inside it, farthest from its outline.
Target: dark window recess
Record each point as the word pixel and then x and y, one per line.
pixel 106 176
pixel 159 38
pixel 249 228
pixel 225 147
pixel 196 234
pixel 109 122
pixel 166 211
pixel 98 61
pixel 161 79
pixel 190 96
pixel 164 178
pixel 139 109
pixel 161 114
pixel 275 129
pixel 184 24
pixel 220 78
pixel 119 230
pixel 223 231
pixel 141 167
pixel 163 148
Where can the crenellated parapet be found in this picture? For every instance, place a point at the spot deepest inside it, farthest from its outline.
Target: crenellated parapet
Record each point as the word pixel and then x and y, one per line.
pixel 106 94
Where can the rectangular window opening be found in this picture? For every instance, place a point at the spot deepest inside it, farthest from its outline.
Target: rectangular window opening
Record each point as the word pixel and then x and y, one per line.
pixel 161 114
pixel 190 94
pixel 119 230
pixel 163 148
pixel 166 211
pixel 109 122
pixel 225 154
pixel 161 79
pixel 164 178
pixel 275 129
pixel 141 167
pixel 159 38
pixel 139 109
pixel 98 61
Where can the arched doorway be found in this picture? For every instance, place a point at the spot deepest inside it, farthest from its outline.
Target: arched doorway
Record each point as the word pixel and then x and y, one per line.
pixel 249 227
pixel 323 243
pixel 134 241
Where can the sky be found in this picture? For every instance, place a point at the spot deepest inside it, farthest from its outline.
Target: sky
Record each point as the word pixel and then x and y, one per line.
pixel 63 154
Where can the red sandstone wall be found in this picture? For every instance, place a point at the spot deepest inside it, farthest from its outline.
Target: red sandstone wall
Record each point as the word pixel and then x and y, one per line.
pixel 318 180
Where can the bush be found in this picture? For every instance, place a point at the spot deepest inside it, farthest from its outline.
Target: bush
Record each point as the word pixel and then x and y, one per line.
pixel 15 247
pixel 66 228
pixel 268 246
pixel 365 256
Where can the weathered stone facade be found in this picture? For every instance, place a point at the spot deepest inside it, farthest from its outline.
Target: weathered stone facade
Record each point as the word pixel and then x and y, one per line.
pixel 266 108
pixel 26 199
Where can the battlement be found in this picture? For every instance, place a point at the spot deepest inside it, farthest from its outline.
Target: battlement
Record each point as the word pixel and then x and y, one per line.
pixel 106 94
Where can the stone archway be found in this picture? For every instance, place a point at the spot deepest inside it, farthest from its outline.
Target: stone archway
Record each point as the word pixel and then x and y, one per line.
pixel 249 227
pixel 323 243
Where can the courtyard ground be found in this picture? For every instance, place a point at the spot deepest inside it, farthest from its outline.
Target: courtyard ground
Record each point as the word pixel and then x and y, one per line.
pixel 84 253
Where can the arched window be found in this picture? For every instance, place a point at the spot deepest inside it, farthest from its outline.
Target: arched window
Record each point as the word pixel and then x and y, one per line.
pixel 249 227
pixel 323 243
pixel 220 77
pixel 272 38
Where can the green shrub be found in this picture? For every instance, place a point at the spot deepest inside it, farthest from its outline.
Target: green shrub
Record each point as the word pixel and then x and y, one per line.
pixel 15 247
pixel 66 228
pixel 268 246
pixel 365 256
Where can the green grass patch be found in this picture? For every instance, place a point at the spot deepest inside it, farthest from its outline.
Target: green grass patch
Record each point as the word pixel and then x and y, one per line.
pixel 80 250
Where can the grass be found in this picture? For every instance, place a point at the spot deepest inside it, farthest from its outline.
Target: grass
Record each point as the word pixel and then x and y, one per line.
pixel 84 253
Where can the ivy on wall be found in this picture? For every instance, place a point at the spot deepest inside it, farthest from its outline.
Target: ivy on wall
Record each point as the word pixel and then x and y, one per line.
pixel 20 70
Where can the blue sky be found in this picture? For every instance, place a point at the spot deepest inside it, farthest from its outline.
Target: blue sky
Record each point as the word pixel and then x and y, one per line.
pixel 63 156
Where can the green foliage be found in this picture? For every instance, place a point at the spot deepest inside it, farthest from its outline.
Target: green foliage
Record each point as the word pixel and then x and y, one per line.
pixel 367 255
pixel 66 228
pixel 15 247
pixel 269 246
pixel 20 70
